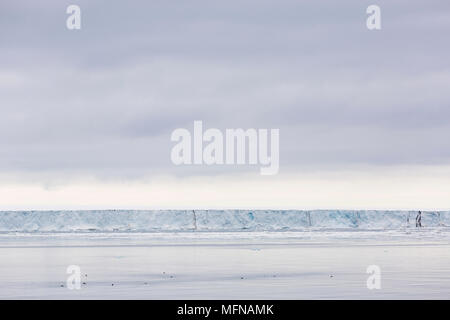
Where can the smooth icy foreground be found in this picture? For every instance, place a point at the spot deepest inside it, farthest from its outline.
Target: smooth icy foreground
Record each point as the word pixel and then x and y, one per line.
pixel 227 265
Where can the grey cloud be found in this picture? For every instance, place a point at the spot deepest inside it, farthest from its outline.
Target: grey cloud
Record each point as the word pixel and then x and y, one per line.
pixel 105 98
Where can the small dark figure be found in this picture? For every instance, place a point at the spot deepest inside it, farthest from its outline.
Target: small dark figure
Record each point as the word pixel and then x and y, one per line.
pixel 419 220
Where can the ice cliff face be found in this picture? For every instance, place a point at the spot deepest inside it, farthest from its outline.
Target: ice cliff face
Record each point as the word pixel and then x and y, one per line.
pixel 212 220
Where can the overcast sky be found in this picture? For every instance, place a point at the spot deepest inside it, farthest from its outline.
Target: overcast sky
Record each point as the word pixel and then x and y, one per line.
pixel 101 102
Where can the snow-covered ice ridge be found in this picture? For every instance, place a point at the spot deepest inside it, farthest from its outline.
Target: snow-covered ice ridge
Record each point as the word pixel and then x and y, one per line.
pixel 213 220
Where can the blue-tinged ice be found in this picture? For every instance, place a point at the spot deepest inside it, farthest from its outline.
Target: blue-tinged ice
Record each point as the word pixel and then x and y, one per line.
pixel 214 220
